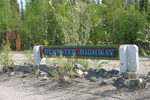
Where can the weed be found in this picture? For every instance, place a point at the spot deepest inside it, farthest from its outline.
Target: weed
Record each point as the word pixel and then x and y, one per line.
pixel 45 42
pixel 97 64
pixel 34 69
pixel 5 58
pixel 29 55
pixel 83 62
pixel 63 68
pixel 132 67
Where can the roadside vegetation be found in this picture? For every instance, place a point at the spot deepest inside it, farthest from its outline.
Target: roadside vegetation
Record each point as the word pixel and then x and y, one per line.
pixel 77 22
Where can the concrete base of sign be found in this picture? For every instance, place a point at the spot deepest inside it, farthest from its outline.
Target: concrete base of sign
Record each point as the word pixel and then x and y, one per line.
pixel 129 58
pixel 37 56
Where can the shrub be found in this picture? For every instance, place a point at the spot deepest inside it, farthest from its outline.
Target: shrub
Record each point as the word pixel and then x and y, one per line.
pixel 6 58
pixel 63 68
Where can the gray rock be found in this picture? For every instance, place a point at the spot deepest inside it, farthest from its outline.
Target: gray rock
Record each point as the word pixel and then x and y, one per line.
pixel 21 63
pixel 42 73
pixel 102 71
pixel 65 79
pixel 25 75
pixel 105 74
pixel 109 75
pixel 46 68
pixel 97 71
pixel 11 73
pixel 113 71
pixel 100 81
pixel 147 85
pixel 148 74
pixel 129 75
pixel 79 72
pixel 78 66
pixel 43 61
pixel 121 85
pixel 115 75
pixel 119 82
pixel 55 64
pixel 16 67
pixel 44 78
pixel 103 83
pixel 134 83
pixel 27 70
pixel 25 63
pixel 15 63
pixel 93 79
pixel 85 73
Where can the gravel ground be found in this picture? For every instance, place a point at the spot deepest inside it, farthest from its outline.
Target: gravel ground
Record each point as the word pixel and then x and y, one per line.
pixel 16 87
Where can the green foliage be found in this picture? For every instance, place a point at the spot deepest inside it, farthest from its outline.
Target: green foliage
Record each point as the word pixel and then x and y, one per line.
pixel 84 62
pixel 6 61
pixel 29 55
pixel 99 64
pixel 33 69
pixel 63 68
pixel 132 67
pixel 74 21
pixel 9 18
pixel 78 22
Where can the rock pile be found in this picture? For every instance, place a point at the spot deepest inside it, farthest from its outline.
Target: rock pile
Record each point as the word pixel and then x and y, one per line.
pixel 107 74
pixel 128 79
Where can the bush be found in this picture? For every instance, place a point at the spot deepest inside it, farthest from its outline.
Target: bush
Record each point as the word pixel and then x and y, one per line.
pixel 63 69
pixel 5 58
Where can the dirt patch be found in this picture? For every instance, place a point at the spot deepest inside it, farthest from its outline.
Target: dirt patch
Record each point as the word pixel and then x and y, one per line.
pixel 31 87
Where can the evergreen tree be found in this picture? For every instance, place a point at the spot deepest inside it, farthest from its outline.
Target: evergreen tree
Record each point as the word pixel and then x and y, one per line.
pixel 16 20
pixel 144 5
pixel 77 22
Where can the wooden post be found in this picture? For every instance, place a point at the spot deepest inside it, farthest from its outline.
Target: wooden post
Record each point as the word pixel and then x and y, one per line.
pixel 5 41
pixel 18 42
pixel 12 36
